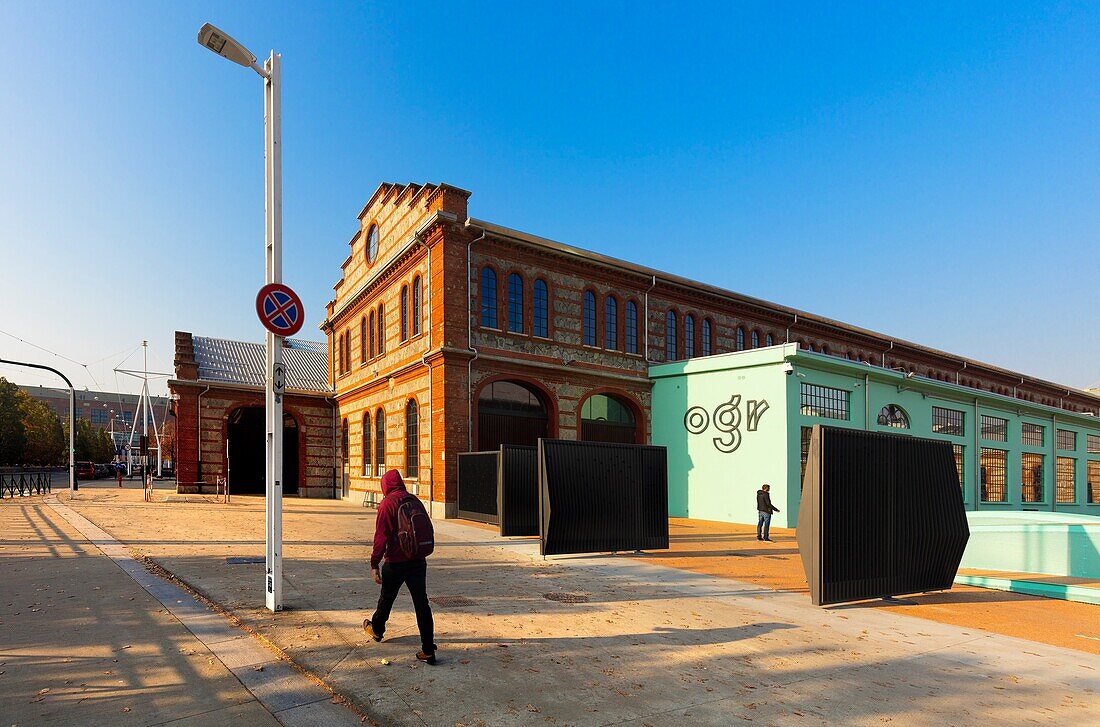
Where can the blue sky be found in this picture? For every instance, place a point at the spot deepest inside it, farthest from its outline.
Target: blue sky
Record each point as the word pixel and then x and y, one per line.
pixel 930 172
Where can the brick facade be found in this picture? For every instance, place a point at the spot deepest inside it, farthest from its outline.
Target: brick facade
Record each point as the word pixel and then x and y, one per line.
pixel 424 232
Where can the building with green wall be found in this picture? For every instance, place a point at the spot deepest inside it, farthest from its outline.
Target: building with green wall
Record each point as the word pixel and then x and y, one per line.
pixel 735 421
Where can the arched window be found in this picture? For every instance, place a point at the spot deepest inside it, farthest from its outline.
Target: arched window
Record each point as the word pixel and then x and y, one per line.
pixel 589 318
pixel 515 303
pixel 363 339
pixel 372 348
pixel 381 329
pixel 344 441
pixel 367 472
pixel 755 339
pixel 606 418
pixel 707 350
pixel 542 309
pixel 670 337
pixel 372 243
pixel 631 327
pixel 416 313
pixel 611 323
pixel 404 312
pixel 510 412
pixel 768 340
pixel 893 415
pixel 488 297
pixel 340 353
pixel 689 336
pixel 347 351
pixel 412 440
pixel 379 442
pixel 740 339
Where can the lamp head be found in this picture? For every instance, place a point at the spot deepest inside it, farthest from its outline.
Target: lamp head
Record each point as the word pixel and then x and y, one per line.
pixel 220 43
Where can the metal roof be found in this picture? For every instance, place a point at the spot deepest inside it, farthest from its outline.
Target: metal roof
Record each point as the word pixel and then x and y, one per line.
pixel 241 362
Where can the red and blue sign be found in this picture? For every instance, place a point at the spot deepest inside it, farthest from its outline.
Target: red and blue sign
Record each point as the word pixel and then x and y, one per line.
pixel 280 309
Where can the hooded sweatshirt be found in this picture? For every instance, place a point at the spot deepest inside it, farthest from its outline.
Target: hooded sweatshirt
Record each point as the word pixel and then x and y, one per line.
pixel 764 502
pixel 385 524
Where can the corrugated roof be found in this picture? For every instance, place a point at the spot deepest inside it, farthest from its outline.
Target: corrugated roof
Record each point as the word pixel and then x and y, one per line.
pixel 242 362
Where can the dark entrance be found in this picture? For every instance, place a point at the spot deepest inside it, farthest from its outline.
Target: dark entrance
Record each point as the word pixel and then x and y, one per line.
pixel 509 412
pixel 246 445
pixel 606 418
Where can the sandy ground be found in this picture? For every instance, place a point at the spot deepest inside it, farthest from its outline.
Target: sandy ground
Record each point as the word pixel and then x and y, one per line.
pixel 599 640
pixel 732 551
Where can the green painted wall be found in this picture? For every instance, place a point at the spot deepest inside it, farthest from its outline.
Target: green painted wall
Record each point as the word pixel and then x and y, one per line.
pixel 710 479
pixel 722 442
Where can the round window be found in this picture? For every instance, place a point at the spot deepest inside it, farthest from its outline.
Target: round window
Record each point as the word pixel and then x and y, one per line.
pixel 372 243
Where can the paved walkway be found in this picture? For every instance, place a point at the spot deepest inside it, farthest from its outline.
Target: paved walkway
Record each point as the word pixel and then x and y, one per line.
pixel 88 637
pixel 593 640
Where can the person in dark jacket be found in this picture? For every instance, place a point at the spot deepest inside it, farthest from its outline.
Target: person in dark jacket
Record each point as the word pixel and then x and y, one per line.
pixel 764 509
pixel 391 568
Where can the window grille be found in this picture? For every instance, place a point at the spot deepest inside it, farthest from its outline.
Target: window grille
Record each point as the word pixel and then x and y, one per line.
pixel 825 401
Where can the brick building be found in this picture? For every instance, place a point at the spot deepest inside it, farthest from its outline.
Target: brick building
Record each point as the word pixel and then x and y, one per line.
pixel 218 393
pixel 449 334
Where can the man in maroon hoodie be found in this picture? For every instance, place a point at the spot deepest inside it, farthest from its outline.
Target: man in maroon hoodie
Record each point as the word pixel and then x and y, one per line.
pixel 397 569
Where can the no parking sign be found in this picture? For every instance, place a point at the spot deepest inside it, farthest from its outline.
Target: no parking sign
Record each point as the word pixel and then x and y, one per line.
pixel 280 309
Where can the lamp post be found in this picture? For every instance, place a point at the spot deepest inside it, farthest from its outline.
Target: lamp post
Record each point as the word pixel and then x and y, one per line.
pixel 72 417
pixel 220 43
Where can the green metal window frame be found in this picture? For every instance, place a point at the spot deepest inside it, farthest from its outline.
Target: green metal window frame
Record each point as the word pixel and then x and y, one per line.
pixel 960 465
pixel 1065 480
pixel 825 402
pixel 1067 440
pixel 951 422
pixel 1092 443
pixel 994 429
pixel 1032 435
pixel 993 466
pixel 1032 467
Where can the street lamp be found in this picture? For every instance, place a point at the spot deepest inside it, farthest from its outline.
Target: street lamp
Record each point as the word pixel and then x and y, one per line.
pixel 219 42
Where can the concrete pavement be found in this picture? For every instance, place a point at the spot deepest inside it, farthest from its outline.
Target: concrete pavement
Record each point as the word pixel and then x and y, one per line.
pixel 89 636
pixel 592 640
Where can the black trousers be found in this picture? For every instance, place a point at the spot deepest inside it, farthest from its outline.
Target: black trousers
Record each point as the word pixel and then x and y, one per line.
pixel 413 574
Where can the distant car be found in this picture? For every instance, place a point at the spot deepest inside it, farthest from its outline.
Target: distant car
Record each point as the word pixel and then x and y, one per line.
pixel 85 471
pixel 104 470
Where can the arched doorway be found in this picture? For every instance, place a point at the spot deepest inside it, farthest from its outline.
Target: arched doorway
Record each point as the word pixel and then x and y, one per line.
pixel 246 445
pixel 510 412
pixel 608 418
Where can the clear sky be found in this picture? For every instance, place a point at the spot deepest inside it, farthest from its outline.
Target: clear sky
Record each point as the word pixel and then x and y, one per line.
pixel 930 172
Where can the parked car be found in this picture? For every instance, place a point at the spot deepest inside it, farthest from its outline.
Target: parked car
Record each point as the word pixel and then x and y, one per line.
pixel 104 470
pixel 85 471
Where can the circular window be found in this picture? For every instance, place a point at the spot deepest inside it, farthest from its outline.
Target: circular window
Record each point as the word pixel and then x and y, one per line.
pixel 372 243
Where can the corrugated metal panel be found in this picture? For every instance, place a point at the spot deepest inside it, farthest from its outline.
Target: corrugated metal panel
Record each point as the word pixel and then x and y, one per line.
pixel 881 515
pixel 596 497
pixel 241 362
pixel 519 490
pixel 477 486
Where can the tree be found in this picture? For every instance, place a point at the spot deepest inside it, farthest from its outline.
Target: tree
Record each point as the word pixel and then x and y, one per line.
pixel 45 438
pixel 13 434
pixel 168 442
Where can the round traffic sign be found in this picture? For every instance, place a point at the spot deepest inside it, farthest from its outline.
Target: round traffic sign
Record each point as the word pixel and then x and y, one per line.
pixel 280 309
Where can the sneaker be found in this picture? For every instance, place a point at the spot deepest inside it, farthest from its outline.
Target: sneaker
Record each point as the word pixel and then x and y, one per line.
pixel 369 628
pixel 759 538
pixel 768 540
pixel 426 658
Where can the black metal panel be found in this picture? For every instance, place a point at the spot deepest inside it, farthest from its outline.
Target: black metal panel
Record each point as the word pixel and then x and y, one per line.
pixel 596 497
pixel 477 486
pixel 881 515
pixel 519 490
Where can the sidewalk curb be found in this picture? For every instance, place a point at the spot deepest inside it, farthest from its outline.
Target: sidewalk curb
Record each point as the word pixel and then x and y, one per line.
pixel 294 698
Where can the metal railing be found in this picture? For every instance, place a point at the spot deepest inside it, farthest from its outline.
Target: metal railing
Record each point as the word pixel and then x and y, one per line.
pixel 21 484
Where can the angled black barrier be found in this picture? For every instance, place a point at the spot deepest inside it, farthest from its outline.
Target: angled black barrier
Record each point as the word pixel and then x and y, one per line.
pixel 518 501
pixel 477 486
pixel 596 497
pixel 881 515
